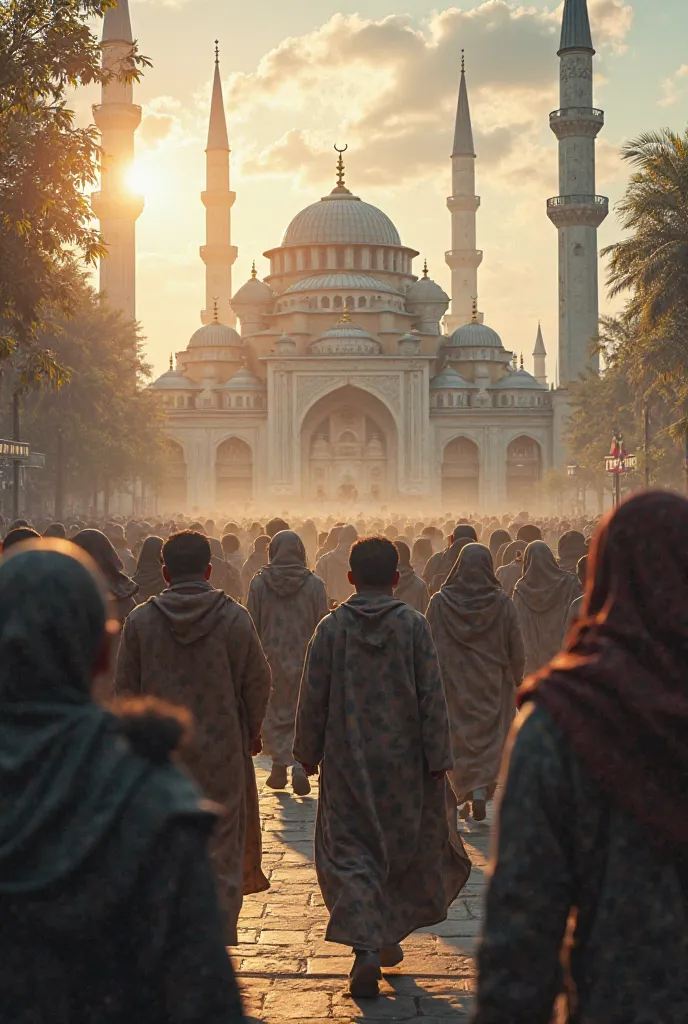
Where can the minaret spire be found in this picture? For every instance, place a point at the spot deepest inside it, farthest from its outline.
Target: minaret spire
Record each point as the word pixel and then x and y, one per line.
pixel 577 211
pixel 463 258
pixel 115 205
pixel 539 357
pixel 218 253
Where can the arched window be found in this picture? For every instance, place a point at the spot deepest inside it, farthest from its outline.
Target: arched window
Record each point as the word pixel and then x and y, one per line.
pixel 190 402
pixel 350 302
pixel 325 302
pixel 240 401
pixel 361 301
pixel 440 401
pixel 337 302
pixel 258 402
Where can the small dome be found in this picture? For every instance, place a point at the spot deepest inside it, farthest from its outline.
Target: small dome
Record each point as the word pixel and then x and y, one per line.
pixel 449 380
pixel 254 292
pixel 215 334
pixel 475 335
pixel 425 290
pixel 327 282
pixel 346 338
pixel 243 380
pixel 171 380
pixel 520 379
pixel 341 219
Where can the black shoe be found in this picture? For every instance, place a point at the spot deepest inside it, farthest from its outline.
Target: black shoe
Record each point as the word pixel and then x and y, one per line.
pixel 299 781
pixel 277 778
pixel 479 810
pixel 391 956
pixel 365 975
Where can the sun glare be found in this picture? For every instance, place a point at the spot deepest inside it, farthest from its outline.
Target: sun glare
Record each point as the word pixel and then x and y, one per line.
pixel 139 178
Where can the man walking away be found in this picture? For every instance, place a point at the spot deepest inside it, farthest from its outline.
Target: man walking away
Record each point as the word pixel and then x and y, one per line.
pixel 197 647
pixel 373 715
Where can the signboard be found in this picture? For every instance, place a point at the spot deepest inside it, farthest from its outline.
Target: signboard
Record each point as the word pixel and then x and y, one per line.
pixel 14 450
pixel 624 464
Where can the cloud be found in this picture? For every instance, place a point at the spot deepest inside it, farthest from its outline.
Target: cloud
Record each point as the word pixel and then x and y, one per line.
pixel 674 87
pixel 156 127
pixel 388 88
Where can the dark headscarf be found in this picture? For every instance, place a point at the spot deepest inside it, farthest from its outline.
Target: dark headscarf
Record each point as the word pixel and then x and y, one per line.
pixel 257 559
pixel 287 570
pixel 471 598
pixel 619 690
pixel 463 534
pixel 148 573
pixel 67 777
pixel 497 539
pixel 512 551
pixel 543 583
pixel 56 530
pixel 97 545
pixel 570 549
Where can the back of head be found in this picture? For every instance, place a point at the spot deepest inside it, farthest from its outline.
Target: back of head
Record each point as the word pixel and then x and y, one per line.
pixel 57 530
pixel 374 562
pixel 17 523
pixel 150 553
pixel 52 621
pixel 497 538
pixel 19 535
pixel 529 532
pixel 404 553
pixel 115 534
pixel 276 526
pixel 287 548
pixel 261 544
pixel 186 556
pixel 422 550
pixel 348 535
pixel 97 545
pixel 464 531
pixel 230 544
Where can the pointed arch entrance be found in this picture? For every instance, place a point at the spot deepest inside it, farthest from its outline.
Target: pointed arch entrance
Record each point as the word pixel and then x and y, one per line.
pixel 349 448
pixel 461 474
pixel 233 472
pixel 173 486
pixel 523 471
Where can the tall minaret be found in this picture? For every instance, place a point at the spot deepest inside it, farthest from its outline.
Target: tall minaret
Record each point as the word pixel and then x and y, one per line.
pixel 463 258
pixel 577 212
pixel 218 253
pixel 540 358
pixel 116 206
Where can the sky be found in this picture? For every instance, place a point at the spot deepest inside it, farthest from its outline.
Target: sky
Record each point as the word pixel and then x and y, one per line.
pixel 383 77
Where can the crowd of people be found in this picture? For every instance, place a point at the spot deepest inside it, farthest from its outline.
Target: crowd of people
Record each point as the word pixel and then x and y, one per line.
pixel 143 664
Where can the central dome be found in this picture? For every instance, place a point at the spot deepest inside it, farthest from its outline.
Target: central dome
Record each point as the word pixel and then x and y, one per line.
pixel 341 219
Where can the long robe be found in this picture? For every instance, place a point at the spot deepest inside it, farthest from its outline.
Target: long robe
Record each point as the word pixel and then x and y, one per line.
pixel 480 649
pixel 333 568
pixel 286 602
pixel 195 646
pixel 372 713
pixel 542 598
pixel 412 589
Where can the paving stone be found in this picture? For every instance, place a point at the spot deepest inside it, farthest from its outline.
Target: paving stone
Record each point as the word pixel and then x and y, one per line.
pixel 334 965
pixel 264 966
pixel 308 1006
pixel 277 937
pixel 387 1007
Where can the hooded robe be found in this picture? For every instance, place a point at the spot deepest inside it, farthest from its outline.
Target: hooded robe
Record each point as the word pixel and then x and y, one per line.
pixel 286 602
pixel 411 588
pixel 480 649
pixel 372 714
pixel 197 647
pixel 333 567
pixel 542 598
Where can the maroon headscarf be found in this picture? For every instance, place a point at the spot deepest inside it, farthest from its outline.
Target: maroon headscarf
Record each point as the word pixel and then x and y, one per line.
pixel 619 689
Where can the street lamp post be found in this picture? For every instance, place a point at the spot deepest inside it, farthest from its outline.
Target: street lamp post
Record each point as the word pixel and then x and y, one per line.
pixel 16 463
pixel 619 461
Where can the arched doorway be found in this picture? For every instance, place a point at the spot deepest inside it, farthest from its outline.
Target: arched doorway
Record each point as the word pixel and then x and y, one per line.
pixel 172 487
pixel 461 474
pixel 233 473
pixel 349 449
pixel 523 471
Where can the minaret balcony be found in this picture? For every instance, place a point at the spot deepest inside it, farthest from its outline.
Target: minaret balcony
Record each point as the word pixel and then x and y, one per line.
pixel 570 122
pixel 463 204
pixel 218 253
pixel 463 258
pixel 121 117
pixel 573 211
pixel 109 206
pixel 218 198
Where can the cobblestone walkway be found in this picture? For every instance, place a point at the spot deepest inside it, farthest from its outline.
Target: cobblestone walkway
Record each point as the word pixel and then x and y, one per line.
pixel 287 971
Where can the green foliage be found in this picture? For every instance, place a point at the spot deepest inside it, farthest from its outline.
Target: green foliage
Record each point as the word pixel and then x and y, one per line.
pixel 47 164
pixel 110 421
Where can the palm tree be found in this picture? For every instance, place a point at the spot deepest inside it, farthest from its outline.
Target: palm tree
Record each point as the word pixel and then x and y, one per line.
pixel 653 261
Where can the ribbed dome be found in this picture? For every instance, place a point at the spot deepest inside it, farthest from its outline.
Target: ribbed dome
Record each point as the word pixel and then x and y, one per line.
pixel 243 380
pixel 346 338
pixel 341 219
pixel 475 335
pixel 325 282
pixel 171 380
pixel 215 334
pixel 450 380
pixel 520 379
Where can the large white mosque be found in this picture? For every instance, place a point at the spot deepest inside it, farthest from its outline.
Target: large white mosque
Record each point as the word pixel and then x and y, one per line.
pixel 344 376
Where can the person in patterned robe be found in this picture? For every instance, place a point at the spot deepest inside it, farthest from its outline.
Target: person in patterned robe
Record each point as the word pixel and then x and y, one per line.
pixel 286 602
pixel 372 714
pixel 194 646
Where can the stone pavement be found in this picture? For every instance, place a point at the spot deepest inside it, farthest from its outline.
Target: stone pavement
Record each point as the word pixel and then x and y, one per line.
pixel 288 973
